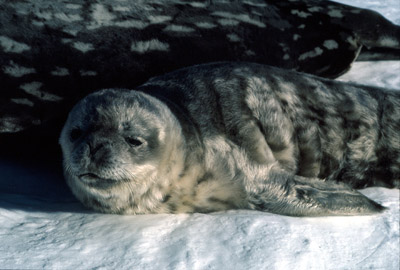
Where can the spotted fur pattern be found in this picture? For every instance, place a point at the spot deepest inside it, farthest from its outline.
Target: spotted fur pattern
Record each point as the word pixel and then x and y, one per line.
pixel 233 135
pixel 52 53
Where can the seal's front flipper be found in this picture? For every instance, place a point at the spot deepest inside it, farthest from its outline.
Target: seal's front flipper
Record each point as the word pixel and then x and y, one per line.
pixel 294 195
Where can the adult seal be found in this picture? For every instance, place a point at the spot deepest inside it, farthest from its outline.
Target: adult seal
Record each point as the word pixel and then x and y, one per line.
pixel 53 53
pixel 233 135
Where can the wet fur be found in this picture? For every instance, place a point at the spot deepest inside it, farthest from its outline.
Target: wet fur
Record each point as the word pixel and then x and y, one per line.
pixel 233 135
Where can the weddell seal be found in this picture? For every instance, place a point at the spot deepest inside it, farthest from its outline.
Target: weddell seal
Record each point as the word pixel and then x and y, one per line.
pixel 233 135
pixel 53 53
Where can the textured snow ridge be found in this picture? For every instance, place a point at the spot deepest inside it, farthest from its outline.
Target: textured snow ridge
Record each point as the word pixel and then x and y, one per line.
pixel 37 234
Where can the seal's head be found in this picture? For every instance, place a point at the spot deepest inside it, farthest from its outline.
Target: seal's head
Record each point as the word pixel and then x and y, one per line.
pixel 116 146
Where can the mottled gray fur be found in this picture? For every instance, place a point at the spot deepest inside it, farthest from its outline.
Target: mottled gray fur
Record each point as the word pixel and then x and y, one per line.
pixel 233 135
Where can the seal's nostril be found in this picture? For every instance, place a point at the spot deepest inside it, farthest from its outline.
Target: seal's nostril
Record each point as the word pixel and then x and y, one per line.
pixel 97 148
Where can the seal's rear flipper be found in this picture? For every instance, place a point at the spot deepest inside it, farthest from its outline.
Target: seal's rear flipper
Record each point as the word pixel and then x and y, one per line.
pixel 293 195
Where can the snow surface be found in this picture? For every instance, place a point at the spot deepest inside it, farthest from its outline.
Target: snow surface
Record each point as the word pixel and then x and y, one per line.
pixel 42 226
pixel 378 73
pixel 388 8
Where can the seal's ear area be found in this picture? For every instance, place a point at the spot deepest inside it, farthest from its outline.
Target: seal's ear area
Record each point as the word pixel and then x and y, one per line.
pixel 294 195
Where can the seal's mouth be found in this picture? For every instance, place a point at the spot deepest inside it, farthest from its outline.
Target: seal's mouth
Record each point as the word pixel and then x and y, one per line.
pixel 94 180
pixel 90 177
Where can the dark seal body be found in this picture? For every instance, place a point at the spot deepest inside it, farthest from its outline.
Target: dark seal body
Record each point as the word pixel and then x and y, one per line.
pixel 233 135
pixel 53 53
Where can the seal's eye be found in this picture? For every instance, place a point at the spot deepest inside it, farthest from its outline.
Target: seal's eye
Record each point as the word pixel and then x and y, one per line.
pixel 133 142
pixel 75 134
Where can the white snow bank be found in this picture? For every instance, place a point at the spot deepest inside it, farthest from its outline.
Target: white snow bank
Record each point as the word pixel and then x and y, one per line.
pixel 43 227
pixel 64 236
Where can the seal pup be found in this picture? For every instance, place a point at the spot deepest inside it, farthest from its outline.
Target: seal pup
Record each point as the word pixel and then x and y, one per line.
pixel 233 135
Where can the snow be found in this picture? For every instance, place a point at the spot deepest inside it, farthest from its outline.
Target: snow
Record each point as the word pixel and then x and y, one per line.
pixel 50 232
pixel 378 73
pixel 388 8
pixel 42 226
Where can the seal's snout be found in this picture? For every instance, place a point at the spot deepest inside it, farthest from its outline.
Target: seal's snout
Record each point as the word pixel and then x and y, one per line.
pixel 101 152
pixel 94 148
